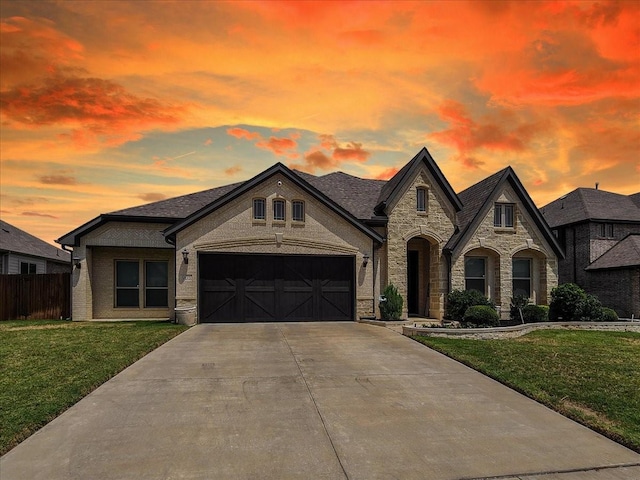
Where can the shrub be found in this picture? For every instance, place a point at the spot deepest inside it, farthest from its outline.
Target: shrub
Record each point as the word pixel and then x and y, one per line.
pixel 481 316
pixel 609 315
pixel 569 303
pixel 518 303
pixel 391 306
pixel 459 300
pixel 535 313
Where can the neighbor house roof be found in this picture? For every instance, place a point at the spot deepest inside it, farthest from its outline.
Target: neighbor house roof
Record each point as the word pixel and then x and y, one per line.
pixel 625 253
pixel 12 239
pixel 479 198
pixel 585 204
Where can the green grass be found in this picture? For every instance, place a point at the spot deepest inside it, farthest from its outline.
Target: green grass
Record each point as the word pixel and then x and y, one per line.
pixel 592 377
pixel 47 366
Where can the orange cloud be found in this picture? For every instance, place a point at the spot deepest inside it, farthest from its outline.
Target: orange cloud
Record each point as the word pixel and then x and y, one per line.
pixel 231 171
pixel 152 196
pixel 279 146
pixel 243 133
pixel 36 214
pixel 58 179
pixel 501 131
pixel 387 173
pixel 315 158
pixel 353 151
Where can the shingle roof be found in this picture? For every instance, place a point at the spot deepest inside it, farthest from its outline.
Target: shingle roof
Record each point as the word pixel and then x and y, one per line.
pixel 625 253
pixel 635 198
pixel 12 239
pixel 590 204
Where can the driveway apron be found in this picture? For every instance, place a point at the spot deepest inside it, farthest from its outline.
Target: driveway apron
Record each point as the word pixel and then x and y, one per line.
pixel 310 401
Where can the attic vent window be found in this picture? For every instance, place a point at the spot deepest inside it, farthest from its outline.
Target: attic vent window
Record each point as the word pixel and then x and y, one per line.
pixel 279 210
pixel 503 215
pixel 421 199
pixel 259 209
pixel 297 211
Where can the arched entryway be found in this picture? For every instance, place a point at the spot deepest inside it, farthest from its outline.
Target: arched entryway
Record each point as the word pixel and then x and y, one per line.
pixel 423 286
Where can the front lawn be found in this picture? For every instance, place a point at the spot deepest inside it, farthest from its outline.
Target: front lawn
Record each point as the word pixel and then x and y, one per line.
pixel 592 377
pixel 47 366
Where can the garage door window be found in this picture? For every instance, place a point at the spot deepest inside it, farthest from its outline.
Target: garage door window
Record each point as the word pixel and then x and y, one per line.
pixel 156 291
pixel 127 284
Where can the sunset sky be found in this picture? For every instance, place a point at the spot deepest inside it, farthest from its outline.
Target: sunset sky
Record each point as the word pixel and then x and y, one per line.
pixel 111 104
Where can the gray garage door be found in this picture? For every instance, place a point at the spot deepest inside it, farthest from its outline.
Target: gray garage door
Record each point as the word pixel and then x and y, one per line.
pixel 280 288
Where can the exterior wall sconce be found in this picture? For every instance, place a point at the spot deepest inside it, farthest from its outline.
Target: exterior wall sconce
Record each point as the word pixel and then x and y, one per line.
pixel 365 259
pixel 77 262
pixel 185 256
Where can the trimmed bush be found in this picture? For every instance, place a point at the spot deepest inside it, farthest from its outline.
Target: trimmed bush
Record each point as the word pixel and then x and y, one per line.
pixel 609 315
pixel 391 306
pixel 459 300
pixel 481 316
pixel 570 303
pixel 535 313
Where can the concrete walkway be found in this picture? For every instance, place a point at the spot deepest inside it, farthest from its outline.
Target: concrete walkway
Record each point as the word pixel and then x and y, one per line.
pixel 310 401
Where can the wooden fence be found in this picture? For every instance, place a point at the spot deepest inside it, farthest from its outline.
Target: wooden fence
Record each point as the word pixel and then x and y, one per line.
pixel 34 297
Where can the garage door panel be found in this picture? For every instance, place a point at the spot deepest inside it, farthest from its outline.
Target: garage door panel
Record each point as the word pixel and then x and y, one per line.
pixel 262 288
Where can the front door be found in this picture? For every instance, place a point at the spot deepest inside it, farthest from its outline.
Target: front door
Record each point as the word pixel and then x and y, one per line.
pixel 413 282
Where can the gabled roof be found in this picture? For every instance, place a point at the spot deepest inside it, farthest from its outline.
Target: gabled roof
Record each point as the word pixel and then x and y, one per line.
pixel 397 184
pixel 590 204
pixel 278 168
pixel 625 253
pixel 12 239
pixel 479 198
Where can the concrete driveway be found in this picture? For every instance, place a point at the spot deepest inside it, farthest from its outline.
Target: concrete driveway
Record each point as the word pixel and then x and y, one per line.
pixel 310 401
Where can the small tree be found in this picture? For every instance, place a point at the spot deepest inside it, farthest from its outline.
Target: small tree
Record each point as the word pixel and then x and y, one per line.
pixel 391 303
pixel 459 300
pixel 518 302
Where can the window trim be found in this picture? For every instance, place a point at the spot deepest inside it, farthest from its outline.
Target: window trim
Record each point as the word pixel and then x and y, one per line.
pixel 254 202
pixel 279 201
pixel 501 207
pixel 421 207
pixel 293 210
pixel 484 276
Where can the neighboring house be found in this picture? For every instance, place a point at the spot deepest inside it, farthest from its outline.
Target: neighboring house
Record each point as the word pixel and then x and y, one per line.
pixel 600 234
pixel 287 245
pixel 21 252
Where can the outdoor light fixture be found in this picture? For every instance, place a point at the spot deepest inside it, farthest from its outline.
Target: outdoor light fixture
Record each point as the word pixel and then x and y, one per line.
pixel 76 262
pixel 365 259
pixel 185 256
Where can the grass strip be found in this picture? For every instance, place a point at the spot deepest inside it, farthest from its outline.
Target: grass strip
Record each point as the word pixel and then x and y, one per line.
pixel 47 366
pixel 589 376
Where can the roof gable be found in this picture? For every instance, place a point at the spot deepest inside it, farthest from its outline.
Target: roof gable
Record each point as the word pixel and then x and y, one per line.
pixel 12 239
pixel 479 198
pixel 397 184
pixel 247 186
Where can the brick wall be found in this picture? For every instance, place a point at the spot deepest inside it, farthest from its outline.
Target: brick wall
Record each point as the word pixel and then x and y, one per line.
pixel 617 289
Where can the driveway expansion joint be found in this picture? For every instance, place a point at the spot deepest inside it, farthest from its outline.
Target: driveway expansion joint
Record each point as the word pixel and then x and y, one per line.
pixel 554 472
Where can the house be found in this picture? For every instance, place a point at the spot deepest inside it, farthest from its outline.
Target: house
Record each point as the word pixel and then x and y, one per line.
pixel 287 245
pixel 22 253
pixel 600 234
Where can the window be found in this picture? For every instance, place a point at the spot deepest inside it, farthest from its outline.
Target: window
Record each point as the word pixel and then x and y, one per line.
pixel 605 230
pixel 503 215
pixel 127 283
pixel 279 210
pixel 156 289
pixel 297 211
pixel 27 268
pixel 474 274
pixel 259 209
pixel 521 270
pixel 421 199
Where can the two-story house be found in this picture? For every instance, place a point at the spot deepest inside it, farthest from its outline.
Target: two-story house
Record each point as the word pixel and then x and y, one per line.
pixel 600 234
pixel 290 246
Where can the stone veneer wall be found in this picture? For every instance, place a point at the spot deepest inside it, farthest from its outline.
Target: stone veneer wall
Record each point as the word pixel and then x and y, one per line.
pixel 436 225
pixel 522 241
pixel 232 229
